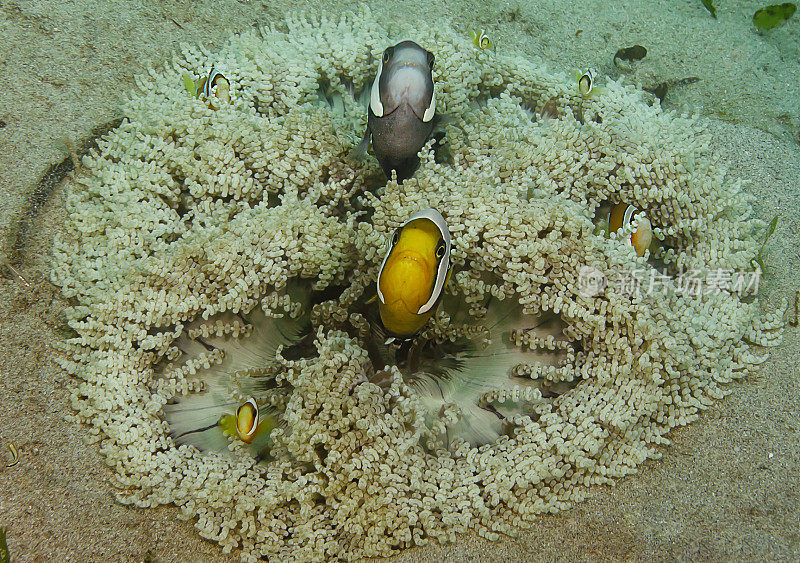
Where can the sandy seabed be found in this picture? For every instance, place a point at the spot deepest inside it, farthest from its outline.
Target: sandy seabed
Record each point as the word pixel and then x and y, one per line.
pixel 725 489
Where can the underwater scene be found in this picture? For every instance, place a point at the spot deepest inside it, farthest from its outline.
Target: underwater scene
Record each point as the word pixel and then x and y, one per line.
pixel 432 281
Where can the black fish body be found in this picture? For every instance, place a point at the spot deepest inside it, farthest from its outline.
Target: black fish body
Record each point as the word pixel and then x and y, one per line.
pixel 396 140
pixel 402 108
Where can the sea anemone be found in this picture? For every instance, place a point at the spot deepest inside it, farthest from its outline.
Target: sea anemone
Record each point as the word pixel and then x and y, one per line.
pixel 214 255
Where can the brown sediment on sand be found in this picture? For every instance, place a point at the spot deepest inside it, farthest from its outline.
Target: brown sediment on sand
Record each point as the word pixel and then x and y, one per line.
pixel 44 188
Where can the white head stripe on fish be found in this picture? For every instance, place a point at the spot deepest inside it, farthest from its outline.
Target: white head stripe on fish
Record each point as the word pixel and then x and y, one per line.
pixel 212 78
pixel 444 263
pixel 626 219
pixel 429 113
pixel 375 95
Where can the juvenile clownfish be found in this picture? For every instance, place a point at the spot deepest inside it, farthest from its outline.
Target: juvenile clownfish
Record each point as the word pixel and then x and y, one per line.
pixel 245 423
pixel 414 273
pixel 215 78
pixel 621 216
pixel 247 420
pixel 402 109
pixel 481 40
pixel 206 87
pixel 586 82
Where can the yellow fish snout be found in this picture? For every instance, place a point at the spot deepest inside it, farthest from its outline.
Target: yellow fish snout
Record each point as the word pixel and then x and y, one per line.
pixel 407 280
pixel 406 286
pixel 414 272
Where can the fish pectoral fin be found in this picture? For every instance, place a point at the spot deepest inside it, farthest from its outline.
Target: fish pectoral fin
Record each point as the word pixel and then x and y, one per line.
pixel 359 151
pixel 440 121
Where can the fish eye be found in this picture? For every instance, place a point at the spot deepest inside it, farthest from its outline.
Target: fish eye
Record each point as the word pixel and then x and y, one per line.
pixel 485 43
pixel 395 237
pixel 431 58
pixel 387 54
pixel 440 248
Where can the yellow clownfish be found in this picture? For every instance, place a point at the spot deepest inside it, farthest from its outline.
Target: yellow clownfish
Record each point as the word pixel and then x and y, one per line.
pixel 621 216
pixel 215 78
pixel 245 424
pixel 586 82
pixel 481 40
pixel 414 273
pixel 215 85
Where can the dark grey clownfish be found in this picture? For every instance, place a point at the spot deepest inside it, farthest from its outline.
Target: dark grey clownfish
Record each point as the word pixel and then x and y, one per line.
pixel 402 109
